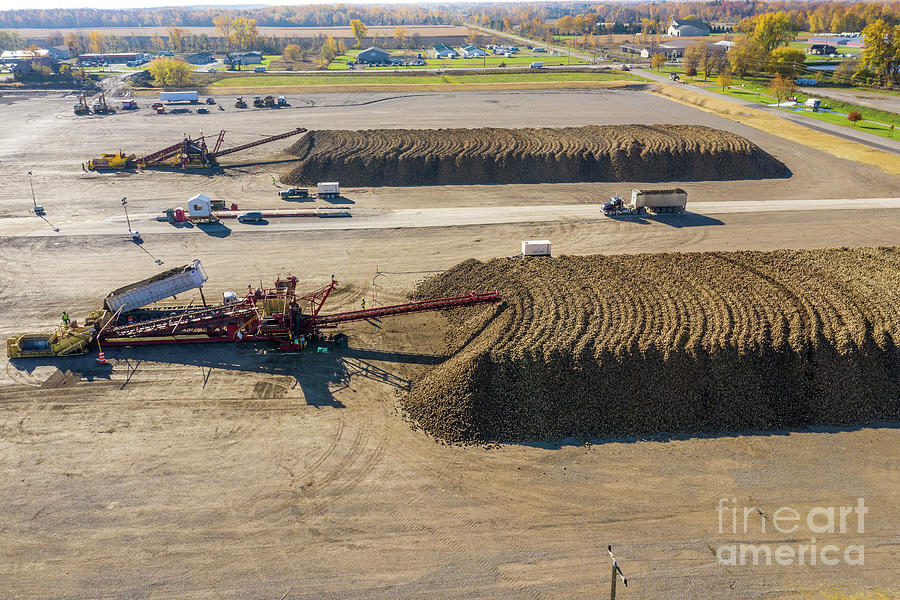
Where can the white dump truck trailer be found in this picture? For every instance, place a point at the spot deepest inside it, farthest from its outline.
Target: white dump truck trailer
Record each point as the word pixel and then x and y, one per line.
pixel 156 288
pixel 178 97
pixel 328 189
pixel 659 201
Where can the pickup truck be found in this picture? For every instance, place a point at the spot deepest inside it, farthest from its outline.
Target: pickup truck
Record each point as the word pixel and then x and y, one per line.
pixel 294 193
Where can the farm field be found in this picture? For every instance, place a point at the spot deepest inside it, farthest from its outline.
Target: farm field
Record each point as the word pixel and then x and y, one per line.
pixel 233 470
pixel 518 60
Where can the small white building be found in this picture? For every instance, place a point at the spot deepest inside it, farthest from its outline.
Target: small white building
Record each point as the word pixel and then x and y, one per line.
pixel 200 206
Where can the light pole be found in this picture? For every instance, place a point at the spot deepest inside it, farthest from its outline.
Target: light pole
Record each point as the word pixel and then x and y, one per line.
pixel 616 571
pixel 125 206
pixel 30 183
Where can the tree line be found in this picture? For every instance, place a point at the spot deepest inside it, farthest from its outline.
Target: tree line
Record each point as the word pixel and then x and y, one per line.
pixel 274 16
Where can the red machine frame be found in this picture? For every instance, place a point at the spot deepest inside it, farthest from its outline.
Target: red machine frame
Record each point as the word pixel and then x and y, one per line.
pixel 274 314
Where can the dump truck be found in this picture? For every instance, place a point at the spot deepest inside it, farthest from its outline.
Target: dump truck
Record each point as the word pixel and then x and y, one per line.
pixel 129 105
pixel 156 288
pixel 294 193
pixel 328 189
pixel 642 201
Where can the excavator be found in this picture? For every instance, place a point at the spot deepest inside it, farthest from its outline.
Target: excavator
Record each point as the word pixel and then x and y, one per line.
pixel 101 107
pixel 82 107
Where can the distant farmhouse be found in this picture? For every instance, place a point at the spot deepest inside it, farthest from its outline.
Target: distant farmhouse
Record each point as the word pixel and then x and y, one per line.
pixel 373 56
pixel 200 58
pixel 253 57
pixel 688 28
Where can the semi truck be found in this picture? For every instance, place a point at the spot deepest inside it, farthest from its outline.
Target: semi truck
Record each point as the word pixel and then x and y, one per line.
pixel 156 288
pixel 642 201
pixel 178 97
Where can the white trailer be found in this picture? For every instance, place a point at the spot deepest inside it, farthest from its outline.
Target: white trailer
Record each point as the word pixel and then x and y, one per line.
pixel 328 189
pixel 658 201
pixel 536 248
pixel 156 288
pixel 178 97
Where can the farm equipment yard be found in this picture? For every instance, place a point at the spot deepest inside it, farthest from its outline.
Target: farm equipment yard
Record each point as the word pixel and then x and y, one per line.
pixel 259 469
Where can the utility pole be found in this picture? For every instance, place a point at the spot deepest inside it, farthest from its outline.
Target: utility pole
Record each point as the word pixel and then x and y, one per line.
pixel 125 206
pixel 616 571
pixel 33 200
pixel 375 287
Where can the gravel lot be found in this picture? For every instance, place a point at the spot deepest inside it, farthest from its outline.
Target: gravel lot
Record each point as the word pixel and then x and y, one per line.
pixel 229 471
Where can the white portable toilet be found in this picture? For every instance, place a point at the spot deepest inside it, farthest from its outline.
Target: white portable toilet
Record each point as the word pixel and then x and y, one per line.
pixel 200 206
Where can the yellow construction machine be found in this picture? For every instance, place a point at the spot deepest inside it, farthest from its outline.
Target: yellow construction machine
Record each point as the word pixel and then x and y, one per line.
pixel 112 162
pixel 65 341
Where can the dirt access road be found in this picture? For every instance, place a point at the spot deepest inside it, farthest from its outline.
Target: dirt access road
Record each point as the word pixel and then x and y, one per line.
pixel 231 471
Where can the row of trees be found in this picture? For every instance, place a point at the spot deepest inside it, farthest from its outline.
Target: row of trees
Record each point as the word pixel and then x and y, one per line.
pixel 651 17
pixel 274 16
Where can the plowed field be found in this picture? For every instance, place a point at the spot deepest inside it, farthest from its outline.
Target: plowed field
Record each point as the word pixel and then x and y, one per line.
pixel 660 344
pixel 379 157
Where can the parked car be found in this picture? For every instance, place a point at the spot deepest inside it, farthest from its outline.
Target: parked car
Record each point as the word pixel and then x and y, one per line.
pixel 253 216
pixel 259 70
pixel 211 70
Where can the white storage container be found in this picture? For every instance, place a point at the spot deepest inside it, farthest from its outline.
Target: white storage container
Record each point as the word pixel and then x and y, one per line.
pixel 536 248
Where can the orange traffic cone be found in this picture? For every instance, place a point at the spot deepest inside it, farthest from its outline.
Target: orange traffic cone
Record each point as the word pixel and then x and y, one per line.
pixel 130 320
pixel 101 359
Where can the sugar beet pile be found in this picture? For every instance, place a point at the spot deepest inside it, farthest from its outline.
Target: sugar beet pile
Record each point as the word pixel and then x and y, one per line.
pixel 666 344
pixel 392 157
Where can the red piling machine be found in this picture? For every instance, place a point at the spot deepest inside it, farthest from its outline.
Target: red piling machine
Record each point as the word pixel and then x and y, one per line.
pixel 275 314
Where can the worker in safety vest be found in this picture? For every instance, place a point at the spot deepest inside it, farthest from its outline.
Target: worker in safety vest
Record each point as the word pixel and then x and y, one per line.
pixel 364 304
pixel 65 318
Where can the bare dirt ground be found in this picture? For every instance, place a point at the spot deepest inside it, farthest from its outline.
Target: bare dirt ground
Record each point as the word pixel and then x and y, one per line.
pixel 231 471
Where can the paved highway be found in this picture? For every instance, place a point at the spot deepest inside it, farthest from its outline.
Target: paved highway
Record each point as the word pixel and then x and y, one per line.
pixel 701 212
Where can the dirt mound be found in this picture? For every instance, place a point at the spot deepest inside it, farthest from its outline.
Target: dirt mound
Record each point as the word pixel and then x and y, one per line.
pixel 666 344
pixel 391 157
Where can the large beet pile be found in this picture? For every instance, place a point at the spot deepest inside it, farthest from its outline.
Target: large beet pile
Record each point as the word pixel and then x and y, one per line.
pixel 666 344
pixel 392 157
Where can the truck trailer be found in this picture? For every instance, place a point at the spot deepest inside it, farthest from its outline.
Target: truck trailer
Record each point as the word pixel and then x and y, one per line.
pixel 328 189
pixel 156 288
pixel 643 201
pixel 178 97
